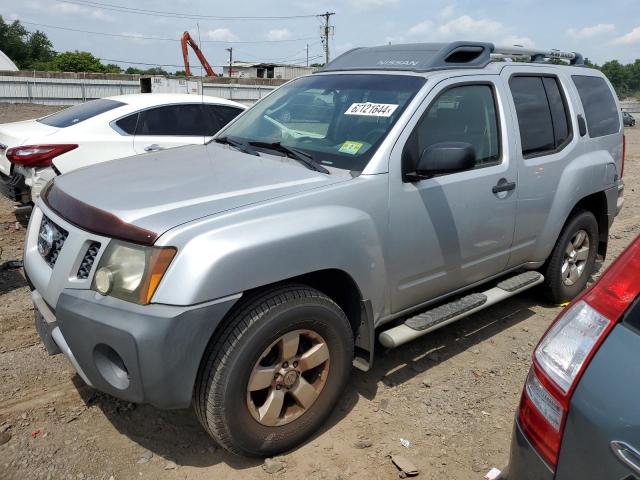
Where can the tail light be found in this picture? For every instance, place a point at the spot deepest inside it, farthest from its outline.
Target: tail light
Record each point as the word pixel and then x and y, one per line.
pixel 624 154
pixel 37 155
pixel 566 349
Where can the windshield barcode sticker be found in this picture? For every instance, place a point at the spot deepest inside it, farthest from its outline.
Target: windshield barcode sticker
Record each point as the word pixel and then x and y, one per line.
pixel 371 109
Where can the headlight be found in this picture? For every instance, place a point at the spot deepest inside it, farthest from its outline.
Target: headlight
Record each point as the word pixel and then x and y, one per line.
pixel 131 272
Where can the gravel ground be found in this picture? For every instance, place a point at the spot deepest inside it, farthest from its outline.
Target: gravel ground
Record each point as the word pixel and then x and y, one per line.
pixel 451 394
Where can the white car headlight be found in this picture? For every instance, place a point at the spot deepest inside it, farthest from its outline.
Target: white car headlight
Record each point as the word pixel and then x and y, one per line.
pixel 131 272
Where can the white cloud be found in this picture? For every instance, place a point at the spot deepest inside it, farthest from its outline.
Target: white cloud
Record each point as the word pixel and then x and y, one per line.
pixel 279 34
pixel 222 35
pixel 447 12
pixel 371 4
pixel 458 29
pixel 74 9
pixel 588 32
pixel 629 38
pixel 517 40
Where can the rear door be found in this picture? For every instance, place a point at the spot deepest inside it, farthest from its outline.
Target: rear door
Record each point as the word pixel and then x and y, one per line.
pixel 602 433
pixel 168 126
pixel 546 144
pixel 453 230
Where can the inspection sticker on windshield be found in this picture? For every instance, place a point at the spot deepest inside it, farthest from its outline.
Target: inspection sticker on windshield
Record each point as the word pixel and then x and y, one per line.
pixel 371 109
pixel 350 147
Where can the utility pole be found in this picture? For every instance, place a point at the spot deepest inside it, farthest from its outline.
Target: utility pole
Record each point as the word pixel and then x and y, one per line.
pixel 326 31
pixel 230 50
pixel 307 54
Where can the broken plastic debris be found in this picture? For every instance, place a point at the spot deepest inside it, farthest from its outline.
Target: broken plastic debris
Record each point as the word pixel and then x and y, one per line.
pixel 492 474
pixel 405 443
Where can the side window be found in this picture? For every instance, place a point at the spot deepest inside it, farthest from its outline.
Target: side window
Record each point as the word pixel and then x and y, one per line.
pixel 219 116
pixel 173 120
pixel 599 105
pixel 542 114
pixel 128 124
pixel 462 114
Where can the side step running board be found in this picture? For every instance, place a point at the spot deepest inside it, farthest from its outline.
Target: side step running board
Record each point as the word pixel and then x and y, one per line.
pixel 435 318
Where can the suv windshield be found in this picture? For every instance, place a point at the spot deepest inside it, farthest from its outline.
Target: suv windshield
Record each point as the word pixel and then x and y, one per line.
pixel 80 113
pixel 337 119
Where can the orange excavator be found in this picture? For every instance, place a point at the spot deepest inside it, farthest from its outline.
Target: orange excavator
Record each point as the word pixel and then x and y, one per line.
pixel 187 40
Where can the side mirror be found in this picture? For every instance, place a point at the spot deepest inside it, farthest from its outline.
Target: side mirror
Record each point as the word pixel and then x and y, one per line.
pixel 446 157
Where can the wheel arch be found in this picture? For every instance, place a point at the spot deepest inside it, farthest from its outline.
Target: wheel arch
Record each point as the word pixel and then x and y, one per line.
pixel 597 204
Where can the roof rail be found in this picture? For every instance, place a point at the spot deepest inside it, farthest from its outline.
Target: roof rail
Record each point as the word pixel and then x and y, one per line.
pixel 424 57
pixel 536 55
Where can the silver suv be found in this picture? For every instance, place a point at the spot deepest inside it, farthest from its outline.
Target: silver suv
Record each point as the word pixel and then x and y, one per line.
pixel 423 183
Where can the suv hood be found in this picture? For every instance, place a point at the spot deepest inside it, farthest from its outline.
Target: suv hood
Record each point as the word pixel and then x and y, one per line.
pixel 161 190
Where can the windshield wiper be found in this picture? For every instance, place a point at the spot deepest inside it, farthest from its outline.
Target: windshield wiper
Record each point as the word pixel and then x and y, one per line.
pixel 303 157
pixel 242 146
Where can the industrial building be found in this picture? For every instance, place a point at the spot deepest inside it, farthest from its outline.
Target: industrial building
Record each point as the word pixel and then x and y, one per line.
pixel 266 70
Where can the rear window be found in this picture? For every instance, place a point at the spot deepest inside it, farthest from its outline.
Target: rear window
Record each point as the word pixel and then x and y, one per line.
pixel 80 113
pixel 599 105
pixel 542 114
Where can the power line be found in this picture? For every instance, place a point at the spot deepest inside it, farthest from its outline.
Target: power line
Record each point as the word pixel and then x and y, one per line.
pixel 176 65
pixel 143 37
pixel 163 13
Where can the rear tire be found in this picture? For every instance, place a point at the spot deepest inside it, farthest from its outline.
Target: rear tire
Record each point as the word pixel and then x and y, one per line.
pixel 573 258
pixel 274 373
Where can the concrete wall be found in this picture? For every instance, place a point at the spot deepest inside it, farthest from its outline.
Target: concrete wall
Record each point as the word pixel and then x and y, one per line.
pixel 58 88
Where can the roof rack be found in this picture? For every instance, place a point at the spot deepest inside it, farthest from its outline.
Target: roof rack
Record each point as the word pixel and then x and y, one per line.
pixel 518 51
pixel 424 57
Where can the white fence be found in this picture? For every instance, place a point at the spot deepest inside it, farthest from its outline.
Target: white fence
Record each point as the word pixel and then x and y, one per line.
pixel 69 91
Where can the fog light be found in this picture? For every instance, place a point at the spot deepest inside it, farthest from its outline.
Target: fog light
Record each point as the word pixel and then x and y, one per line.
pixel 103 280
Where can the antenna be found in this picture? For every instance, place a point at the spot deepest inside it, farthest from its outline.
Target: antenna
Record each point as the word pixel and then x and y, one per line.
pixel 201 68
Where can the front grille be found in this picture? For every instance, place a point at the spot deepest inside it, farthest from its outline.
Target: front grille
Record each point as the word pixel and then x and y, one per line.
pixel 51 239
pixel 87 261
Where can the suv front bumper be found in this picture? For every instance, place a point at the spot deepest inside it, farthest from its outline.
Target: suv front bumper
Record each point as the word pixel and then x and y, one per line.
pixel 139 353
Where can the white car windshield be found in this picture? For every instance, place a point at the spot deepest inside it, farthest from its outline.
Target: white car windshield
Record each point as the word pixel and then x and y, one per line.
pixel 339 120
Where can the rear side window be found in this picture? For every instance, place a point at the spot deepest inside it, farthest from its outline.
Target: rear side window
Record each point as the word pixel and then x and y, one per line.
pixel 128 124
pixel 220 115
pixel 80 113
pixel 542 114
pixel 599 105
pixel 462 114
pixel 174 120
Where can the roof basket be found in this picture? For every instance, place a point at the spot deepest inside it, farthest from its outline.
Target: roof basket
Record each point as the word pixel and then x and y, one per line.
pixel 424 57
pixel 536 56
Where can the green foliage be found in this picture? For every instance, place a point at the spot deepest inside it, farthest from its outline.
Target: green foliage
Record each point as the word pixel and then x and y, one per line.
pixel 77 61
pixel 148 71
pixel 24 48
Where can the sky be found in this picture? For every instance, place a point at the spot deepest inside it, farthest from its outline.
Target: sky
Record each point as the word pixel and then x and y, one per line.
pixel 600 30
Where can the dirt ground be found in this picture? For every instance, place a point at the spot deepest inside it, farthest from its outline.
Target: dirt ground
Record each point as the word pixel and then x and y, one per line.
pixel 451 394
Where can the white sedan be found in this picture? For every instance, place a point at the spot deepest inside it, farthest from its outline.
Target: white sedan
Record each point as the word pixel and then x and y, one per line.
pixel 34 151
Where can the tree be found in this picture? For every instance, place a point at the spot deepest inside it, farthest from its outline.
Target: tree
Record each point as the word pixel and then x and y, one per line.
pixel 148 71
pixel 25 49
pixel 75 61
pixel 618 75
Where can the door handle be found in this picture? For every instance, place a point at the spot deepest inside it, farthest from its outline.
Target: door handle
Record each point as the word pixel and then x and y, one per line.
pixel 154 147
pixel 627 455
pixel 503 186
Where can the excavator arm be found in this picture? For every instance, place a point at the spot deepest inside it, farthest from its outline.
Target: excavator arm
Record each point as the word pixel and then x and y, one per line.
pixel 187 40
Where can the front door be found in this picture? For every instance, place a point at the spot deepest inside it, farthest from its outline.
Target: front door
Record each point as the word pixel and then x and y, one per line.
pixel 455 229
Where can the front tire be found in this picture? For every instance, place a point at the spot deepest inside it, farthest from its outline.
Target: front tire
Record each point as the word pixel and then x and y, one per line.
pixel 275 372
pixel 573 258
